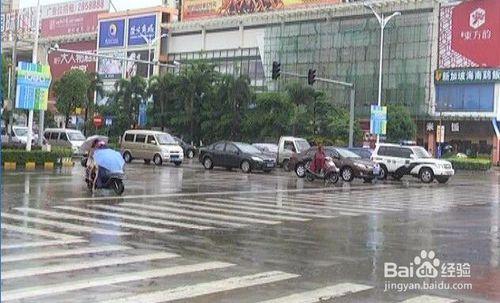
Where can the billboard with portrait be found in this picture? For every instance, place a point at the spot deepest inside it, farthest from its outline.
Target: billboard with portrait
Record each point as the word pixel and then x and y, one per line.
pixel 469 34
pixel 141 29
pixel 111 33
pixel 196 9
pixel 111 69
pixel 138 69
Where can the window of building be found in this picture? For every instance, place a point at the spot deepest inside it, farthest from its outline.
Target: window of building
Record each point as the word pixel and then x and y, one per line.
pixel 465 97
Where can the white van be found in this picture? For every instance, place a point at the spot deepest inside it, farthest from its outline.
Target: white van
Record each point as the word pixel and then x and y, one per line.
pixel 65 137
pixel 151 145
pixel 288 146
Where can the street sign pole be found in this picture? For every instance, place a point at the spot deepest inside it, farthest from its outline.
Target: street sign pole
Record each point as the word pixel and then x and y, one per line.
pixel 34 60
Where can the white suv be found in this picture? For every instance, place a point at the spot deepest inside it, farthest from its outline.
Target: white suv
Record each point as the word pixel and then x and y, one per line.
pixel 399 160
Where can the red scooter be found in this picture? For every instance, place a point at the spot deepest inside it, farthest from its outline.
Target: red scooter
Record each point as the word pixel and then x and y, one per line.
pixel 329 173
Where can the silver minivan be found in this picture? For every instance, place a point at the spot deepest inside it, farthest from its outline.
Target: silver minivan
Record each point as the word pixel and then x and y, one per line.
pixel 151 145
pixel 65 137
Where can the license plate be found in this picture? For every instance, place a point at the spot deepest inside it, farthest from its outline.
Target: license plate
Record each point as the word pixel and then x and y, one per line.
pixel 270 165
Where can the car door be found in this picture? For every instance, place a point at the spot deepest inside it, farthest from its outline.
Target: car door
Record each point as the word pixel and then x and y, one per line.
pixel 232 156
pixel 64 140
pixel 139 146
pixel 217 153
pixel 335 155
pixel 150 147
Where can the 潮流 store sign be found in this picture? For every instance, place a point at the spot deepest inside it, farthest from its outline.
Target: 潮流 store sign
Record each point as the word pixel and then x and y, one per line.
pixel 470 34
pixel 141 30
pixel 472 75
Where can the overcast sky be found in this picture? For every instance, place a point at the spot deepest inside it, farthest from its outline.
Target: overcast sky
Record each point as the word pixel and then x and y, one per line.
pixel 120 4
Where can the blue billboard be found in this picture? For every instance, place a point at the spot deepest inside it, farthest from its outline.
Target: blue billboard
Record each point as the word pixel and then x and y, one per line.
pixel 141 29
pixel 378 120
pixel 111 33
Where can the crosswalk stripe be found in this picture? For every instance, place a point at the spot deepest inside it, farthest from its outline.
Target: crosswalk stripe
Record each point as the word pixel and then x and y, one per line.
pixel 270 204
pixel 201 214
pixel 69 226
pixel 429 299
pixel 62 253
pixel 29 292
pixel 196 290
pixel 42 243
pixel 151 220
pixel 321 294
pixel 229 211
pixel 284 212
pixel 94 220
pixel 50 269
pixel 36 232
pixel 350 203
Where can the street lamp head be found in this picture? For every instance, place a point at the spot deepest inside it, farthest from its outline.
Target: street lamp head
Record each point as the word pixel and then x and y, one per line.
pixel 164 35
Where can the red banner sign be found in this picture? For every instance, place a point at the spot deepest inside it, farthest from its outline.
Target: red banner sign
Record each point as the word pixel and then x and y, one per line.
pixel 69 25
pixel 62 62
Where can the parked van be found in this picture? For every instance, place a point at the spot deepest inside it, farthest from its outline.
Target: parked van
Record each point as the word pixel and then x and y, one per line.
pixel 151 145
pixel 289 145
pixel 65 137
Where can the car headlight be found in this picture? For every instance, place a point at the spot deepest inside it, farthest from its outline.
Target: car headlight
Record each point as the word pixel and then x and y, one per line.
pixel 257 159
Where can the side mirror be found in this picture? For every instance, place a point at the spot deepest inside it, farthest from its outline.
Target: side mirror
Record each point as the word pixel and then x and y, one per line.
pixel 153 142
pixel 413 157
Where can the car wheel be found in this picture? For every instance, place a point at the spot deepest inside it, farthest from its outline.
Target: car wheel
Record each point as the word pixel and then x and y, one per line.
pixel 285 165
pixel 300 170
pixel 347 174
pixel 190 154
pixel 426 175
pixel 383 173
pixel 208 163
pixel 442 179
pixel 368 180
pixel 127 157
pixel 332 178
pixel 246 167
pixel 178 163
pixel 267 171
pixel 396 177
pixel 147 161
pixel 157 160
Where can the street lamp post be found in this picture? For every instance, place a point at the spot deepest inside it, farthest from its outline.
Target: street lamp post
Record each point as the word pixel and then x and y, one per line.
pixel 150 42
pixel 382 20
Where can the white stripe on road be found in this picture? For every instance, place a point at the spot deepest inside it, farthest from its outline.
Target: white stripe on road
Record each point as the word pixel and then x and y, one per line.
pixel 29 292
pixel 237 212
pixel 266 209
pixel 94 220
pixel 201 214
pixel 196 290
pixel 69 226
pixel 36 232
pixel 429 299
pixel 150 220
pixel 348 202
pixel 321 294
pixel 42 243
pixel 50 269
pixel 61 253
pixel 271 204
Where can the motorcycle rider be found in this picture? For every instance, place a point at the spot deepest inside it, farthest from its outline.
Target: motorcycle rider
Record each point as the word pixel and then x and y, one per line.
pixel 318 162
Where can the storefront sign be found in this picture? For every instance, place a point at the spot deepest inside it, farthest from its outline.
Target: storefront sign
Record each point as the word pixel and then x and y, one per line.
pixel 141 30
pixel 455 127
pixel 26 23
pixel 62 62
pixel 197 9
pixel 429 127
pixel 111 33
pixel 32 90
pixel 440 134
pixel 378 120
pixel 471 75
pixel 470 34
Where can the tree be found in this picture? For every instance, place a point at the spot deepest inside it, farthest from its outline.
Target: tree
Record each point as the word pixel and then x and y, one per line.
pixel 71 92
pixel 303 99
pixel 95 87
pixel 128 96
pixel 400 125
pixel 164 92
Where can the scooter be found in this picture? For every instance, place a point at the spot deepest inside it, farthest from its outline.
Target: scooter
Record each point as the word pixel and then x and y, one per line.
pixel 110 180
pixel 330 173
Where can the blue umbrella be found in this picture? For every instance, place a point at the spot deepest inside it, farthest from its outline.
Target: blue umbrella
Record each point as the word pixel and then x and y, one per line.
pixel 109 159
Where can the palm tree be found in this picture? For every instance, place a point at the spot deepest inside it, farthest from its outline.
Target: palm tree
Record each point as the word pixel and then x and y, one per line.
pixel 95 88
pixel 131 93
pixel 163 90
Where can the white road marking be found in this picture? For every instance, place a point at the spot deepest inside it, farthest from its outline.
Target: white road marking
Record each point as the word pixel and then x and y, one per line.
pixel 42 243
pixel 62 253
pixel 201 214
pixel 94 220
pixel 196 290
pixel 29 292
pixel 429 299
pixel 321 294
pixel 50 269
pixel 273 210
pixel 228 211
pixel 270 204
pixel 36 232
pixel 151 220
pixel 64 225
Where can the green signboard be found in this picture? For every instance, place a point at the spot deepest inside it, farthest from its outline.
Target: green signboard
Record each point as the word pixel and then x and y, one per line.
pixel 32 89
pixel 467 75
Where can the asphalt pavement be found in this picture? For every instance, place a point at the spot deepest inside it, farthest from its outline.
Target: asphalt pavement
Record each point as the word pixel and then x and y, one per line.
pixel 185 234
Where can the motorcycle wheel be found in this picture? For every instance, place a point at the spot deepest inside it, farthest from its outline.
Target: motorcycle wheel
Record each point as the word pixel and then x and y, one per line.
pixel 309 177
pixel 118 186
pixel 332 178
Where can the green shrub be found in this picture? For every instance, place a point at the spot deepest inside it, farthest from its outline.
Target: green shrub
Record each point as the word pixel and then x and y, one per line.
pixel 470 163
pixel 37 156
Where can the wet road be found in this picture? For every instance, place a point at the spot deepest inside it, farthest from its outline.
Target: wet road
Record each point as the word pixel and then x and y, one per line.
pixel 190 235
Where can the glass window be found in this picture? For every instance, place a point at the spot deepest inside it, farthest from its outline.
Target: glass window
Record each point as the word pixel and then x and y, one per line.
pixel 219 146
pixel 46 135
pixel 288 145
pixel 230 148
pixel 150 139
pixel 54 136
pixel 140 138
pixel 63 137
pixel 129 138
pixel 76 136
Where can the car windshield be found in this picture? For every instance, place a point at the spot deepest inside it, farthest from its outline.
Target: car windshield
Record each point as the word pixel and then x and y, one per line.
pixel 302 145
pixel 420 152
pixel 247 148
pixel 20 132
pixel 344 153
pixel 267 147
pixel 76 136
pixel 165 139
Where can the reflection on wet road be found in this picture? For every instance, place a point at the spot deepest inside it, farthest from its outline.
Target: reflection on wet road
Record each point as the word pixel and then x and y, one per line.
pixel 190 235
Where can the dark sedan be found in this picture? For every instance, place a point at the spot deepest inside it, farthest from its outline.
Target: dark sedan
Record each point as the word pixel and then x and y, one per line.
pixel 351 165
pixel 189 150
pixel 236 155
pixel 364 153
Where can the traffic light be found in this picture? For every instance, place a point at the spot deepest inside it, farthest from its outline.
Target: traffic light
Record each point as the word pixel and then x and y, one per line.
pixel 311 76
pixel 276 70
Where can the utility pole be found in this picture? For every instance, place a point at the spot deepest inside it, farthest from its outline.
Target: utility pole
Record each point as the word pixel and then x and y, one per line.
pixel 34 60
pixel 12 91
